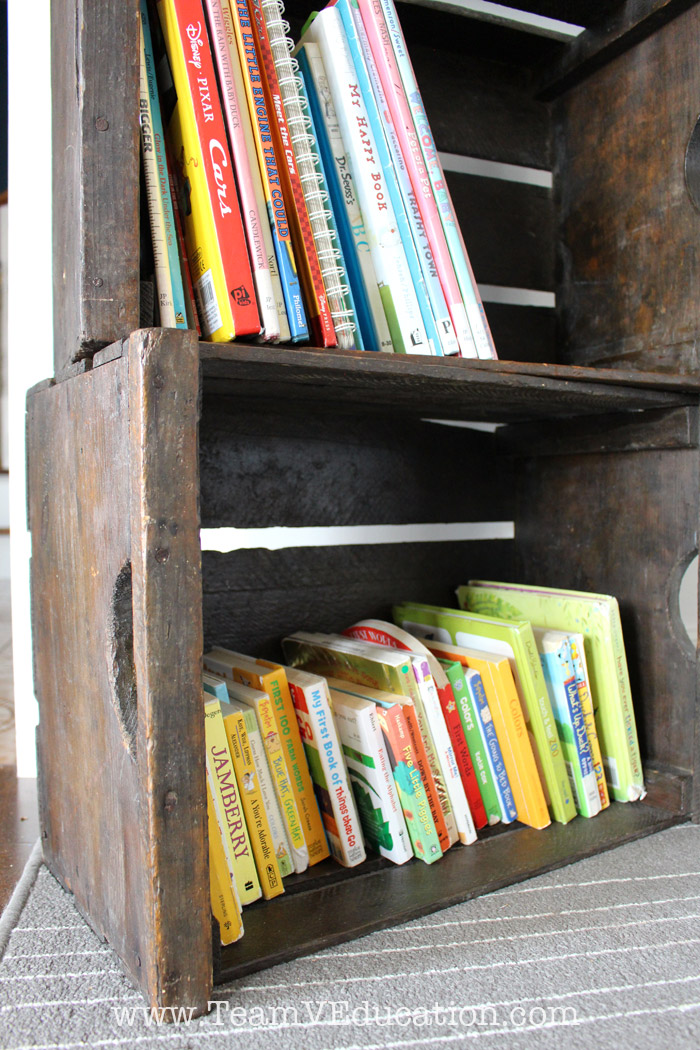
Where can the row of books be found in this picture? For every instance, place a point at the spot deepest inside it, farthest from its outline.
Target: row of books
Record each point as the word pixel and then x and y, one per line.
pixel 299 197
pixel 407 738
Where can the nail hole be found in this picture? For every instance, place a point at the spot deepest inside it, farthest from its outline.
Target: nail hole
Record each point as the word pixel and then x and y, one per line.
pixel 692 166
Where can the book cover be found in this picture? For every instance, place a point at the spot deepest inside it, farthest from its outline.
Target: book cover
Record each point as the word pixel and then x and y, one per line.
pixel 436 706
pixel 168 273
pixel 380 42
pixel 225 906
pixel 481 714
pixel 411 790
pixel 481 770
pixel 217 250
pixel 325 758
pixel 396 287
pixel 237 20
pixel 597 618
pixel 305 249
pixel 340 181
pixel 270 802
pixel 371 777
pixel 507 717
pixel 235 112
pixel 478 322
pixel 251 797
pixel 514 639
pixel 246 673
pixel 578 657
pixel 273 679
pixel 227 803
pixel 555 656
pixel 419 253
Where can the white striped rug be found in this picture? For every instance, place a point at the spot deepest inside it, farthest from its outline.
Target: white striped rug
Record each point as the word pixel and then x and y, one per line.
pixel 603 952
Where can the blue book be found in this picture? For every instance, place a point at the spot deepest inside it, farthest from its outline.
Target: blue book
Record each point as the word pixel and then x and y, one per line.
pixel 482 717
pixel 398 203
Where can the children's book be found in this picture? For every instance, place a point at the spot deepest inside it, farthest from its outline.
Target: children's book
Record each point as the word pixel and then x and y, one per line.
pixel 597 618
pixel 371 777
pixel 225 905
pixel 578 657
pixel 326 764
pixel 515 641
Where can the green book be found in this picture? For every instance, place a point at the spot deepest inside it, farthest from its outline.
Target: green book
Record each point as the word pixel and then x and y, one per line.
pixel 597 618
pixel 516 641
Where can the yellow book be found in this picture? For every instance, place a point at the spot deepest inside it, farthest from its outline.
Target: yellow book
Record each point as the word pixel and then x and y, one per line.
pixel 251 797
pixel 584 695
pixel 511 730
pixel 224 904
pixel 228 805
pixel 245 671
pixel 214 234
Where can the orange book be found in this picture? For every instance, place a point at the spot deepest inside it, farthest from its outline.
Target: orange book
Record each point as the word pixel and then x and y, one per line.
pixel 510 727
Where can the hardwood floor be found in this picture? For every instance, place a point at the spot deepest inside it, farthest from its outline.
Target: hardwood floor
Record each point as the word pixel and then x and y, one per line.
pixel 19 827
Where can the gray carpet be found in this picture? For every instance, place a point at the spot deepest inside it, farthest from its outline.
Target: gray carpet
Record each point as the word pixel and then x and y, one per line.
pixel 605 952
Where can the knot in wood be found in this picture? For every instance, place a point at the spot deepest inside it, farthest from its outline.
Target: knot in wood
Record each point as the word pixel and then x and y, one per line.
pixel 161 554
pixel 170 801
pixel 102 124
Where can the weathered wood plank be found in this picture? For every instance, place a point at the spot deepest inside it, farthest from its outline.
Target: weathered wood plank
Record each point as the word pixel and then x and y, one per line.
pixel 629 230
pixel 95 175
pixel 167 643
pixel 623 433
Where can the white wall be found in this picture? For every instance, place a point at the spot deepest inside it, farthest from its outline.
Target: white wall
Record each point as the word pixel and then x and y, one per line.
pixel 30 318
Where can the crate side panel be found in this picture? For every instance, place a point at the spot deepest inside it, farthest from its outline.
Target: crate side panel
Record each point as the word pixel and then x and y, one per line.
pixel 629 235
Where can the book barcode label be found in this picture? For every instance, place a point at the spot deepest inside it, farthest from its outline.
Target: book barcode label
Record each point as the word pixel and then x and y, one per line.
pixel 572 780
pixel 611 774
pixel 485 713
pixel 209 313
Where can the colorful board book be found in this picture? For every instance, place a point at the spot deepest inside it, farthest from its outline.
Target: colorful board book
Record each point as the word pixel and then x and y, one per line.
pixel 515 640
pixel 597 618
pixel 326 764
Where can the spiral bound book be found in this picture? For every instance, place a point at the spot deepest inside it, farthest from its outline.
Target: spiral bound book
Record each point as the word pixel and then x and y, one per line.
pixel 315 195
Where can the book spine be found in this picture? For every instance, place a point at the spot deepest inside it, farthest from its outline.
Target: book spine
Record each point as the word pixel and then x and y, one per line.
pixel 477 747
pixel 232 820
pixel 411 790
pixel 465 766
pixel 253 809
pixel 216 240
pixel 631 787
pixel 478 322
pixel 190 300
pixel 434 720
pixel 395 283
pixel 447 832
pixel 297 212
pixel 584 692
pixel 343 195
pixel 270 802
pixel 225 906
pixel 233 109
pixel 237 16
pixel 418 251
pixel 335 274
pixel 380 42
pixel 168 273
pixel 279 689
pixel 329 774
pixel 367 763
pixel 483 719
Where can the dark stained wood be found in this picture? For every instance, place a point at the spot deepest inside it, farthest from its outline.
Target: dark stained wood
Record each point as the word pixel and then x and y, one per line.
pixel 262 467
pixel 167 647
pixel 626 25
pixel 677 428
pixel 448 388
pixel 288 927
pixel 624 524
pixel 668 789
pixel 628 227
pixel 493 213
pixel 120 738
pixel 522 333
pixel 251 599
pixel 575 12
pixel 95 175
pixel 19 827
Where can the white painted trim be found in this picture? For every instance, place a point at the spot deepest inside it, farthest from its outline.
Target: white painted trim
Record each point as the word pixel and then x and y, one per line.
pixel 493 169
pixel 279 537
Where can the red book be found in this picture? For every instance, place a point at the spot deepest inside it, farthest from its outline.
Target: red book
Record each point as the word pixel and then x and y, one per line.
pixel 423 766
pixel 302 236
pixel 462 756
pixel 216 242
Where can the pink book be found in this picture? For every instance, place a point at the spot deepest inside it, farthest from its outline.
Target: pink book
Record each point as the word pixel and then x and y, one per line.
pixel 380 42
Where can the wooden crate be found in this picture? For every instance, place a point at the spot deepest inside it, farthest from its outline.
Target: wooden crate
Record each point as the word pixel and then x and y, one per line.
pixel 135 446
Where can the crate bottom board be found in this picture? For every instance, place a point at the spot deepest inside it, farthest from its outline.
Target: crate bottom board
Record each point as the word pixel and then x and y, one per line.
pixel 329 906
